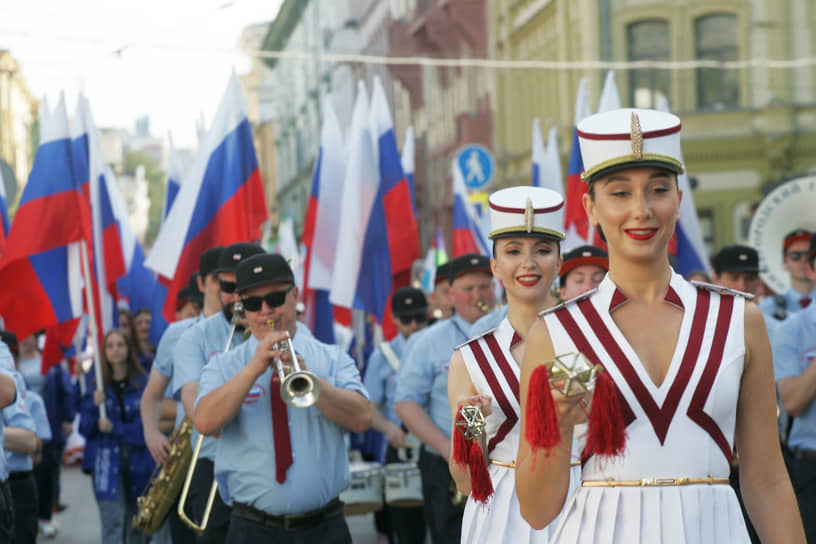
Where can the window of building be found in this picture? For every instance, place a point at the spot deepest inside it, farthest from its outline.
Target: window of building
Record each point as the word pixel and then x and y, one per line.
pixel 648 40
pixel 715 38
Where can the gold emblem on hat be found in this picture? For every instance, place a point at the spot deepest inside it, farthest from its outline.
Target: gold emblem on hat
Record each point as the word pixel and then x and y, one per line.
pixel 257 270
pixel 409 301
pixel 236 256
pixel 637 137
pixel 529 215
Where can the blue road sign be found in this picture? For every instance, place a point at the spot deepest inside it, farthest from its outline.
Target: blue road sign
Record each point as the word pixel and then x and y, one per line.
pixel 476 165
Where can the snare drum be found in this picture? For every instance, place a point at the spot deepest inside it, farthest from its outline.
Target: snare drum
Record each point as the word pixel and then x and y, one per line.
pixel 365 493
pixel 403 485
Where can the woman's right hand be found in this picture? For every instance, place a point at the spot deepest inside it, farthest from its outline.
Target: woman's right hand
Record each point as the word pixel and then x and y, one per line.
pixel 572 410
pixel 105 425
pixel 98 396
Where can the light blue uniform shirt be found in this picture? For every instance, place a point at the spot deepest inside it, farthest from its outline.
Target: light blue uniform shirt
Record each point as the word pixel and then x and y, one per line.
pixel 6 362
pixel 18 415
pixel 163 362
pixel 195 348
pixel 792 305
pixel 381 379
pixel 31 369
pixel 246 450
pixel 489 321
pixel 794 348
pixel 423 375
pixel 36 407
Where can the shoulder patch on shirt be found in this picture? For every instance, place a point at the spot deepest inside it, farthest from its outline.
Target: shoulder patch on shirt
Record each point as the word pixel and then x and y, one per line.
pixel 566 303
pixel 485 333
pixel 721 290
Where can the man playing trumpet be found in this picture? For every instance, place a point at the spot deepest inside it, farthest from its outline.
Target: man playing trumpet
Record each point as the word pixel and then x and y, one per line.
pixel 285 466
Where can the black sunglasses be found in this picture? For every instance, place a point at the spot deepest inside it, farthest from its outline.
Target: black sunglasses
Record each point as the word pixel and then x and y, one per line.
pixel 273 300
pixel 227 286
pixel 407 319
pixel 795 256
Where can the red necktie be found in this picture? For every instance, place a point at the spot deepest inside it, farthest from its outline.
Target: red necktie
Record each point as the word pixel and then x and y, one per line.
pixel 280 431
pixel 804 301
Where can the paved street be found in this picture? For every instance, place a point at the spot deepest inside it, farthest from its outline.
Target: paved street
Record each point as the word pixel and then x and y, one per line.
pixel 79 524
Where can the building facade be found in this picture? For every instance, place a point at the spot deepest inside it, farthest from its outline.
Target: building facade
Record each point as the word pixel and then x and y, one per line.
pixel 744 129
pixel 18 122
pixel 448 107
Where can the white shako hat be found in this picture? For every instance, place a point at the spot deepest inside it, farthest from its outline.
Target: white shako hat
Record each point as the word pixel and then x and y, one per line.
pixel 525 211
pixel 629 138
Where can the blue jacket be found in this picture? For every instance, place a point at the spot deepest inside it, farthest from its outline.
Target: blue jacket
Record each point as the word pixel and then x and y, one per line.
pixel 106 447
pixel 59 400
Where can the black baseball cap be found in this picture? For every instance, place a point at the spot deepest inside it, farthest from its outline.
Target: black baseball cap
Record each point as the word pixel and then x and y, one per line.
pixel 235 253
pixel 260 269
pixel 583 255
pixel 209 261
pixel 736 258
pixel 408 301
pixel 467 263
pixel 442 273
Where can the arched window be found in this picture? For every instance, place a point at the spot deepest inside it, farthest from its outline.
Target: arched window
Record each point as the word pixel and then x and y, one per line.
pixel 648 40
pixel 715 38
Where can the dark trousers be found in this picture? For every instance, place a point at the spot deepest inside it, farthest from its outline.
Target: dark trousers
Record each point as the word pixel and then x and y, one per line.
pixel 179 531
pixel 332 530
pixel 803 478
pixel 6 513
pixel 443 518
pixel 24 495
pixel 200 486
pixel 46 474
pixel 407 524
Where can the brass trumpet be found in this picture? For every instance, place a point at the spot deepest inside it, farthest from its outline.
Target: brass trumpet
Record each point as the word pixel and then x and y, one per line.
pixel 237 314
pixel 299 388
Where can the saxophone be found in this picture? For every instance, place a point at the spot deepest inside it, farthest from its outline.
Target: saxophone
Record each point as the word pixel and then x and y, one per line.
pixel 153 506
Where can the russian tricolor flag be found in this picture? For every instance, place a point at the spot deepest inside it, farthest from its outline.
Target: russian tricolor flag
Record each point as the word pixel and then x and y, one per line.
pixel 322 225
pixel 467 231
pixel 221 200
pixel 40 267
pixel 576 223
pixel 175 173
pixel 362 269
pixel 408 162
pixel 4 216
pixel 688 237
pixel 547 163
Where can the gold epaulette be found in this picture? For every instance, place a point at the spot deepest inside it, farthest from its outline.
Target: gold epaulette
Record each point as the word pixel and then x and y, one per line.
pixel 721 290
pixel 566 303
pixel 485 333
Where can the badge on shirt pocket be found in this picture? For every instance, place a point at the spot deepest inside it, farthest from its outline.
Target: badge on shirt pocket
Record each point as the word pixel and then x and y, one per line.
pixel 255 394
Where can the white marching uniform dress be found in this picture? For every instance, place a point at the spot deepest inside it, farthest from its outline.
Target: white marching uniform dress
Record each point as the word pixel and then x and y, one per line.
pixel 493 371
pixel 683 428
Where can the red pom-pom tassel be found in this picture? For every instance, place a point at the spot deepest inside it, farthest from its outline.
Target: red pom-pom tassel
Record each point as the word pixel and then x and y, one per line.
pixel 606 435
pixel 461 449
pixel 541 427
pixel 481 486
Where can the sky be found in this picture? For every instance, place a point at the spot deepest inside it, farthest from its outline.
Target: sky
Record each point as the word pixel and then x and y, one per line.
pixel 169 59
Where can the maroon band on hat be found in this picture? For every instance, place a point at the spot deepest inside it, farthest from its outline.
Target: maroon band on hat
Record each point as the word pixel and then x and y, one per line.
pixel 507 209
pixel 798 237
pixel 572 264
pixel 628 135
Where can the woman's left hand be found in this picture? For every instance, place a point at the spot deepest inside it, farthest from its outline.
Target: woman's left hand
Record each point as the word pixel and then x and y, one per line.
pixel 483 402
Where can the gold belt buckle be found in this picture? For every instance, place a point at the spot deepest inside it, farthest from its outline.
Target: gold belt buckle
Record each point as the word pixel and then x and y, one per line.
pixel 660 482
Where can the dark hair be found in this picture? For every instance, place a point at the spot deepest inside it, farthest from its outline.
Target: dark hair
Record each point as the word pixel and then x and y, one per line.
pixel 133 367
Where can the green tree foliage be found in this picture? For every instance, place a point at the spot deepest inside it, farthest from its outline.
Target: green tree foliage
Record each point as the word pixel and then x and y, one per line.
pixel 156 186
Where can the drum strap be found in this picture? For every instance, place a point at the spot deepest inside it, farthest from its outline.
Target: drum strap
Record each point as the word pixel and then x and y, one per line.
pixel 390 356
